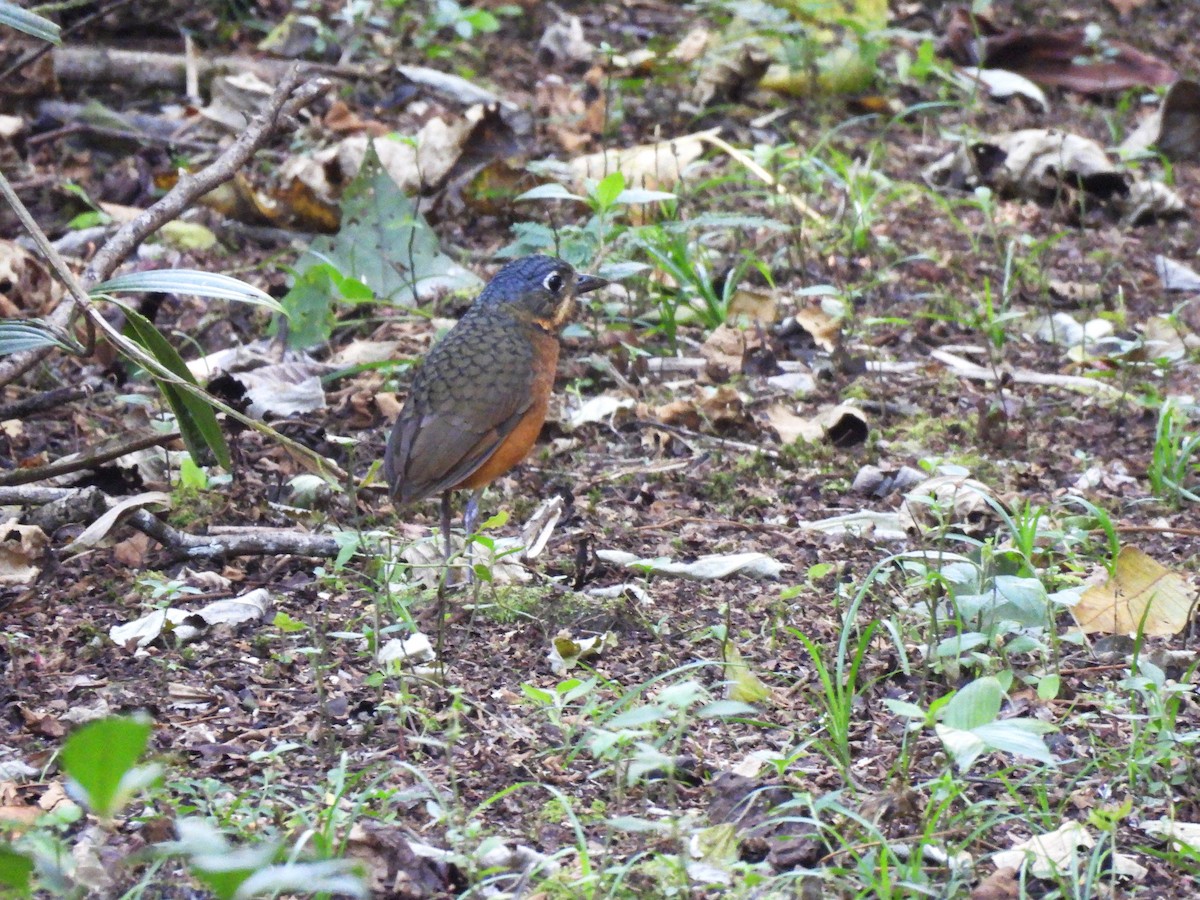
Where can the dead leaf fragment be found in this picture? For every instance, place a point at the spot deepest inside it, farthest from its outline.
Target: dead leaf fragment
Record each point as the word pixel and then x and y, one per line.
pixel 21 550
pixel 1141 588
pixel 27 286
pixel 1065 57
pixel 99 530
pixel 566 651
pixel 657 166
pixel 728 74
pixel 705 568
pixel 947 501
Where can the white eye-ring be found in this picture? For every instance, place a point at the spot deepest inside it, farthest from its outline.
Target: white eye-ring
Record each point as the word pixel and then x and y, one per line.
pixel 553 283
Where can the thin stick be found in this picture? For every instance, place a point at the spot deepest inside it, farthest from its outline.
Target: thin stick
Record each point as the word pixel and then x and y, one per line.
pixel 67 466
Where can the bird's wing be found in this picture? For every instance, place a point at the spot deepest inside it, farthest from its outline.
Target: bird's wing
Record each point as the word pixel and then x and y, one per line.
pixel 452 425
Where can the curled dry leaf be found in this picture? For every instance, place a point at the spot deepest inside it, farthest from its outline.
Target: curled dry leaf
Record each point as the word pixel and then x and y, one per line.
pixel 1065 57
pixel 728 74
pixel 1033 162
pixel 99 531
pixel 706 568
pixel 189 625
pixel 1002 84
pixel 840 425
pixel 658 166
pixel 601 408
pixel 423 162
pixel 27 286
pixel 1056 854
pixel 724 349
pixel 284 389
pixel 1175 276
pixel 692 46
pixel 414 650
pixel 953 502
pixel 21 550
pixel 1179 833
pixel 1141 594
pixel 883 526
pixel 566 651
pixel 562 44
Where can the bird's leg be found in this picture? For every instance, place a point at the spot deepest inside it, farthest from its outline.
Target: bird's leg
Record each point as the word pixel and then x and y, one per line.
pixel 470 521
pixel 446 526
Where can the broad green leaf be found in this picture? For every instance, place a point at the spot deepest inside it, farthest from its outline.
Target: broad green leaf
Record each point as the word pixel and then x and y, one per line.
pixel 904 709
pixel 550 191
pixel 15 869
pixel 609 189
pixel 213 285
pixel 632 196
pixel 637 825
pixel 30 23
pixel 196 419
pixel 340 877
pixel 287 624
pixel 639 715
pixel 224 873
pixel 964 747
pixel 309 306
pixel 19 336
pixel 1011 599
pixel 975 704
pixel 384 243
pixel 724 709
pixel 1018 737
pixel 101 754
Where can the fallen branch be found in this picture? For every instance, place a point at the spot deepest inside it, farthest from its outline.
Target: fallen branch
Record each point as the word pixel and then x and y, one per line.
pixel 79 463
pixel 249 542
pixel 181 545
pixel 168 71
pixel 966 369
pixel 19 409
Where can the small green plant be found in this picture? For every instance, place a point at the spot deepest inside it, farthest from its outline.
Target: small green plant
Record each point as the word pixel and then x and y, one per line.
pixel 839 689
pixel 968 723
pixel 608 200
pixel 1174 470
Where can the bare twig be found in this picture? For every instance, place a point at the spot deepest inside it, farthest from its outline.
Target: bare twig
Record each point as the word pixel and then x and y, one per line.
pixel 169 70
pixel 45 400
pixel 79 463
pixel 180 544
pixel 252 542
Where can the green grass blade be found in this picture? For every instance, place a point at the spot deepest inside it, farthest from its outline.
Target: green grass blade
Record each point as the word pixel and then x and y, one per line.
pixel 197 421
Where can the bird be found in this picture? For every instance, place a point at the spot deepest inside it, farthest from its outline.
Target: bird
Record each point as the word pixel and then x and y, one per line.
pixel 480 396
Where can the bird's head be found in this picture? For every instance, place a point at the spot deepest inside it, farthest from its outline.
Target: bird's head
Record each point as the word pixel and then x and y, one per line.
pixel 540 290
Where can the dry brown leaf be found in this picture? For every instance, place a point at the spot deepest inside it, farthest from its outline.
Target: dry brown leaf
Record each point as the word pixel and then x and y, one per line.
pixel 722 405
pixel 1064 57
pixel 724 349
pixel 825 329
pixel 21 550
pixel 1140 588
pixel 791 427
pixel 693 45
pixel 682 413
pixel 27 286
pixel 757 306
pixel 657 166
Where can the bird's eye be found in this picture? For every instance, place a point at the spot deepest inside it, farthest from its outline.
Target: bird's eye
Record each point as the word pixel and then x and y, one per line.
pixel 554 282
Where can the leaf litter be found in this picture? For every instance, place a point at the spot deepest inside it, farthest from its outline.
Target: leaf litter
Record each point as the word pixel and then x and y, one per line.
pixel 713 481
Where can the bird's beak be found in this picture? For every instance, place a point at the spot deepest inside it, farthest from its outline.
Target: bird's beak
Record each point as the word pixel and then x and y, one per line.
pixel 585 283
